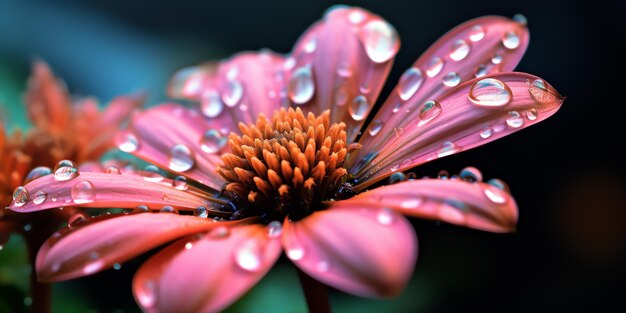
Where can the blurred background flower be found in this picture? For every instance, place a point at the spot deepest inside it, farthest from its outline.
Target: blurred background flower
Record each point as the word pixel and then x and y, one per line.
pixel 566 174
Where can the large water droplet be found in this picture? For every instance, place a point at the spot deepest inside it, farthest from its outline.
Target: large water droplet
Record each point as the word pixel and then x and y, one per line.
pixel 83 192
pixel 201 212
pixel 460 49
pixel 471 174
pixel 212 141
pixel 510 40
pixel 301 85
pixel 490 92
pixel 129 143
pixel 39 197
pixel 181 158
pixel 380 40
pixel 211 105
pixel 539 91
pixel 375 127
pixel 20 196
pixel 486 132
pixel 180 183
pixel 448 148
pixel 152 173
pixel 451 79
pixel 434 67
pixel 359 108
pixel 274 229
pixel 495 194
pixel 65 170
pixel 385 216
pixel 477 33
pixel 37 172
pixel 248 256
pixel 514 119
pixel 409 83
pixel 532 114
pixel 232 93
pixel 428 111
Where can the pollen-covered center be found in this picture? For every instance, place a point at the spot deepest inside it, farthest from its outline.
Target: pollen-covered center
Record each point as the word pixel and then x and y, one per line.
pixel 287 165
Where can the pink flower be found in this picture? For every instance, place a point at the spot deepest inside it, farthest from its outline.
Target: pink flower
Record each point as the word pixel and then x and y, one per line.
pixel 299 180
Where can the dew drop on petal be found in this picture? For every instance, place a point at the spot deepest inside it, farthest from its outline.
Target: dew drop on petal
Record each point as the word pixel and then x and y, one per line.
pixel 113 170
pixel 477 33
pixel 448 148
pixel 486 132
pixel 532 114
pixel 495 194
pixel 232 93
pixel 380 40
pixel 37 172
pixel 117 266
pixel 295 253
pixel 83 192
pixel 451 79
pixel 490 92
pixel 93 267
pixel 409 83
pixel 497 58
pixel 460 49
pixel 20 196
pixel 385 216
pixel 301 85
pixel 28 227
pixel 188 245
pixel 356 16
pixel 274 229
pixel 394 166
pixel 359 108
pixel 212 141
pixel 180 183
pixel 310 46
pixel 428 111
pixel 521 19
pixel 219 232
pixel 201 212
pixel 39 197
pixel 434 67
pixel 500 184
pixel 248 256
pixel 65 170
pixel 341 96
pixel 152 173
pixel 514 119
pixel 343 69
pixel 471 174
pixel 411 203
pixel 375 127
pixel 211 105
pixel 181 158
pixel 510 40
pixel 168 209
pixel 539 91
pixel 141 209
pixel 147 294
pixel 129 143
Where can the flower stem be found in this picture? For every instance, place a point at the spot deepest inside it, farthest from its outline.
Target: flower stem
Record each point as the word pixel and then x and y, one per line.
pixel 316 294
pixel 40 293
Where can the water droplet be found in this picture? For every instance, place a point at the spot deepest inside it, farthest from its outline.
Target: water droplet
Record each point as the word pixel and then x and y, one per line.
pixel 460 49
pixel 481 71
pixel 397 177
pixel 310 46
pixel 451 79
pixel 168 209
pixel 411 203
pixel 520 18
pixel 295 253
pixel 514 119
pixel 394 166
pixel 375 127
pixel 409 83
pixel 142 208
pixel 211 105
pixel 497 58
pixel 510 40
pixel 232 94
pixel 290 62
pixel 20 196
pixel 181 158
pixel 495 194
pixel 447 148
pixel 39 197
pixel 343 69
pixel 477 33
pixel 28 227
pixel 471 174
pixel 83 192
pixel 37 172
pixel 212 141
pixel 65 170
pixel 117 266
pixel 93 267
pixel 28 301
pixel 532 114
pixel 428 111
pixel 152 174
pixel 359 108
pixel 490 92
pixel 356 16
pixel 301 85
pixel 201 212
pixel 500 184
pixel 180 183
pixel 486 132
pixel 434 67
pixel 274 229
pixel 248 256
pixel 188 245
pixel 539 91
pixel 113 170
pixel 146 294
pixel 129 143
pixel 385 216
pixel 380 40
pixel 219 232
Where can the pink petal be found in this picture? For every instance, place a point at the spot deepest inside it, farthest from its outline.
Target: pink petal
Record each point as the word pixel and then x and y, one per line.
pixel 100 190
pixel 207 274
pixel 155 134
pixel 95 246
pixel 235 90
pixel 476 205
pixel 501 104
pixel 341 64
pixel 469 50
pixel 47 100
pixel 360 249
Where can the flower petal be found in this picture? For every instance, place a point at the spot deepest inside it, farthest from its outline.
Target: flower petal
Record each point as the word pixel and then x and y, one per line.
pixel 47 100
pixel 91 247
pixel 100 190
pixel 472 49
pixel 155 134
pixel 207 274
pixel 476 205
pixel 361 249
pixel 341 64
pixel 235 90
pixel 477 112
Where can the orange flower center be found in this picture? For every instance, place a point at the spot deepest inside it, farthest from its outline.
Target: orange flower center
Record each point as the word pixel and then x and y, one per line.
pixel 285 166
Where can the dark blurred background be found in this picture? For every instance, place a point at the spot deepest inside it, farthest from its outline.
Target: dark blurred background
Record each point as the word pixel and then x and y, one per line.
pixel 566 173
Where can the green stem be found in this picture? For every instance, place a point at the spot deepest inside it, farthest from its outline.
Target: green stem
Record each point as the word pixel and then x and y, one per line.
pixel 316 294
